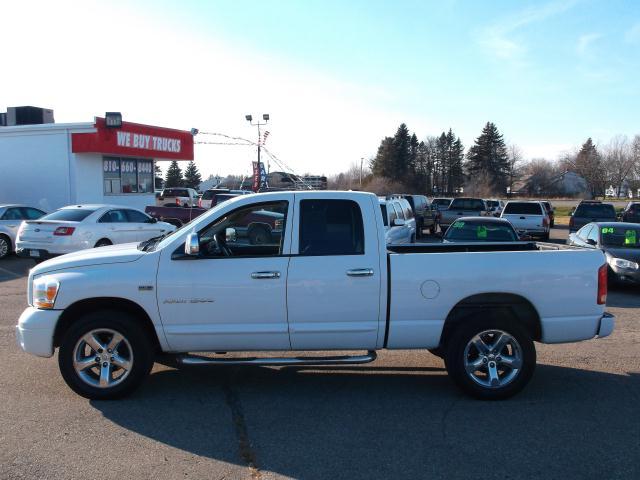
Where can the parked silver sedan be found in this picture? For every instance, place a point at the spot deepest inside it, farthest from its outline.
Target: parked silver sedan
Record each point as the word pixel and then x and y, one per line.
pixel 11 216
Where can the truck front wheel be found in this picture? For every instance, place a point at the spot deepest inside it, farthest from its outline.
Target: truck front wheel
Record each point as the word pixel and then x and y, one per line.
pixel 105 355
pixel 490 359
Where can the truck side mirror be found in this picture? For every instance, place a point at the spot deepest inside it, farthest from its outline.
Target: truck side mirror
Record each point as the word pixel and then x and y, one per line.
pixel 592 242
pixel 192 244
pixel 398 222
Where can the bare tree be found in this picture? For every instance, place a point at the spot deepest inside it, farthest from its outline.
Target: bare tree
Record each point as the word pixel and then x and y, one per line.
pixel 619 162
pixel 515 166
pixel 587 162
pixel 542 178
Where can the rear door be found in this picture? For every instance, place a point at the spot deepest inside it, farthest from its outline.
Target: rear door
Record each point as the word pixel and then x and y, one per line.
pixel 334 277
pixel 115 226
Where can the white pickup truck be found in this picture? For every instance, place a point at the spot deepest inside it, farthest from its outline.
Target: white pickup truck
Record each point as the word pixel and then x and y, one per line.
pixel 326 282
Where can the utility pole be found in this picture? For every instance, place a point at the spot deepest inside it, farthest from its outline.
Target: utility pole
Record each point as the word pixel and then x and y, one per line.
pixel 361 160
pixel 249 119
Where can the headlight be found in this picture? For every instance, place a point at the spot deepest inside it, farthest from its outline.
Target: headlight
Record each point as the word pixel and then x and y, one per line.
pixel 45 291
pixel 622 263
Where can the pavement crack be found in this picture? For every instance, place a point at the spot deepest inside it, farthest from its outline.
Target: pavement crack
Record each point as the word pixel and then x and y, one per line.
pixel 245 449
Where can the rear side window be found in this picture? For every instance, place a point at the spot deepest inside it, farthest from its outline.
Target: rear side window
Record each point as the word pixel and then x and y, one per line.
pixel 601 210
pixel 467 204
pixel 69 215
pixel 331 227
pixel 114 216
pixel 12 214
pixel 523 208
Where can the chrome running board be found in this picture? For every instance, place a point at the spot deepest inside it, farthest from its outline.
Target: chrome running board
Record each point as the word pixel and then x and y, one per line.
pixel 279 361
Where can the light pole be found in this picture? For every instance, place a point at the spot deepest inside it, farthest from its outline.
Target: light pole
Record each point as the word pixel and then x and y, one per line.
pixel 249 119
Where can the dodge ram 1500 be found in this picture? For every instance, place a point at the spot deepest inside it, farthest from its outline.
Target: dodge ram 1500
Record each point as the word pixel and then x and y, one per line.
pixel 327 281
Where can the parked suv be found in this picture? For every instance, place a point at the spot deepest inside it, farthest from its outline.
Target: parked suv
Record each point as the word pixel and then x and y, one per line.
pixel 589 211
pixel 399 224
pixel 425 217
pixel 208 198
pixel 170 197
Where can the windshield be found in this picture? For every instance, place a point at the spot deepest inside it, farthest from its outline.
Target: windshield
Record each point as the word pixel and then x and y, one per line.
pixel 624 237
pixel 523 208
pixel 441 202
pixel 491 203
pixel 462 231
pixel 69 215
pixel 467 204
pixel 187 226
pixel 594 210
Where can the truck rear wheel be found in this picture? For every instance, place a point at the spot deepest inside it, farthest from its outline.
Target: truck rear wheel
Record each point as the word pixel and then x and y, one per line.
pixel 490 359
pixel 105 355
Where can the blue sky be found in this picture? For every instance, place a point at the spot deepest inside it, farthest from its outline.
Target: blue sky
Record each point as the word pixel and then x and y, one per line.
pixel 336 76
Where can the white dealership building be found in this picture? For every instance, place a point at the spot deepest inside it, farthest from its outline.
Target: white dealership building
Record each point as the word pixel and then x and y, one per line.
pixel 50 165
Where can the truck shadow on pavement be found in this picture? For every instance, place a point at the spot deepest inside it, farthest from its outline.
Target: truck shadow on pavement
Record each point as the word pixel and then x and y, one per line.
pixel 387 422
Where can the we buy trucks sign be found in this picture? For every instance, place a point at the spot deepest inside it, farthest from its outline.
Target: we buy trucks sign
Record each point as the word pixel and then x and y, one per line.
pixel 134 139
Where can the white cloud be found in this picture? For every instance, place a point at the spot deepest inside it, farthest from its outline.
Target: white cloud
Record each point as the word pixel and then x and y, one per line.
pixel 585 42
pixel 500 39
pixel 633 34
pixel 104 57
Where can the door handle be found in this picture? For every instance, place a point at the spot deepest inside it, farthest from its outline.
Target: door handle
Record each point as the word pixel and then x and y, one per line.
pixel 522 218
pixel 264 275
pixel 360 272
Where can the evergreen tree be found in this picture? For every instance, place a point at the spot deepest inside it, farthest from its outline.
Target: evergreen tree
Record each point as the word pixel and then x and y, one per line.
pixel 488 158
pixel 157 181
pixel 589 165
pixel 174 176
pixel 382 163
pixel 402 154
pixel 192 177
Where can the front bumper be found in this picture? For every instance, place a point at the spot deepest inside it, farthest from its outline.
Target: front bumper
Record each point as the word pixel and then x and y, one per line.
pixel 606 325
pixel 35 329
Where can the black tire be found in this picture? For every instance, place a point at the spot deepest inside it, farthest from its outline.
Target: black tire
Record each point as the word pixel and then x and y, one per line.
pixel 103 242
pixel 5 246
pixel 455 358
pixel 259 235
pixel 138 348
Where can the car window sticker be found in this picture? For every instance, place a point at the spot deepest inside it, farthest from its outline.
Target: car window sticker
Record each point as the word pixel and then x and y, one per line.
pixel 481 231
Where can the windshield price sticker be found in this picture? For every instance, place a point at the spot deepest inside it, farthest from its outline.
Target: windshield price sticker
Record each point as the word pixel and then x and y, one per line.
pixel 481 231
pixel 606 230
pixel 630 237
pixel 458 225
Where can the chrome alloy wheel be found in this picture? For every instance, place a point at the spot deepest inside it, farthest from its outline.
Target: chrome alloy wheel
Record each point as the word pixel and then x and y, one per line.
pixel 493 358
pixel 102 358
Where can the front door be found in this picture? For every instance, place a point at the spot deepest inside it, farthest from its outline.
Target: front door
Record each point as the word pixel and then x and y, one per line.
pixel 333 285
pixel 233 295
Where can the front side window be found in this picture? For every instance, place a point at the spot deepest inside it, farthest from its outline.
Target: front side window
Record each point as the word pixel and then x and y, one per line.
pixel 584 231
pixel 134 216
pixel 253 231
pixel 398 210
pixel 331 227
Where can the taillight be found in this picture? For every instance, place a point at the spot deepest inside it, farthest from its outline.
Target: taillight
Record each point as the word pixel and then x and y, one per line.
pixel 602 285
pixel 200 203
pixel 177 201
pixel 571 223
pixel 64 231
pixel 545 222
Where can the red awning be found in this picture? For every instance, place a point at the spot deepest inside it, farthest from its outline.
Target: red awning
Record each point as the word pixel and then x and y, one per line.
pixel 136 140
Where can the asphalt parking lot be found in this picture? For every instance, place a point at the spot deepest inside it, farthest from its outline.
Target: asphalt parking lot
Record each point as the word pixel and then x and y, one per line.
pixel 399 417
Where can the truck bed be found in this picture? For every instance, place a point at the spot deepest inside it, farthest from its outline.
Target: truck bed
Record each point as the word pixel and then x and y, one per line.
pixel 475 247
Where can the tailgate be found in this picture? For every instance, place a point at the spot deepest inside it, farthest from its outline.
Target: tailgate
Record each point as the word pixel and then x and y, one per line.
pixel 524 221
